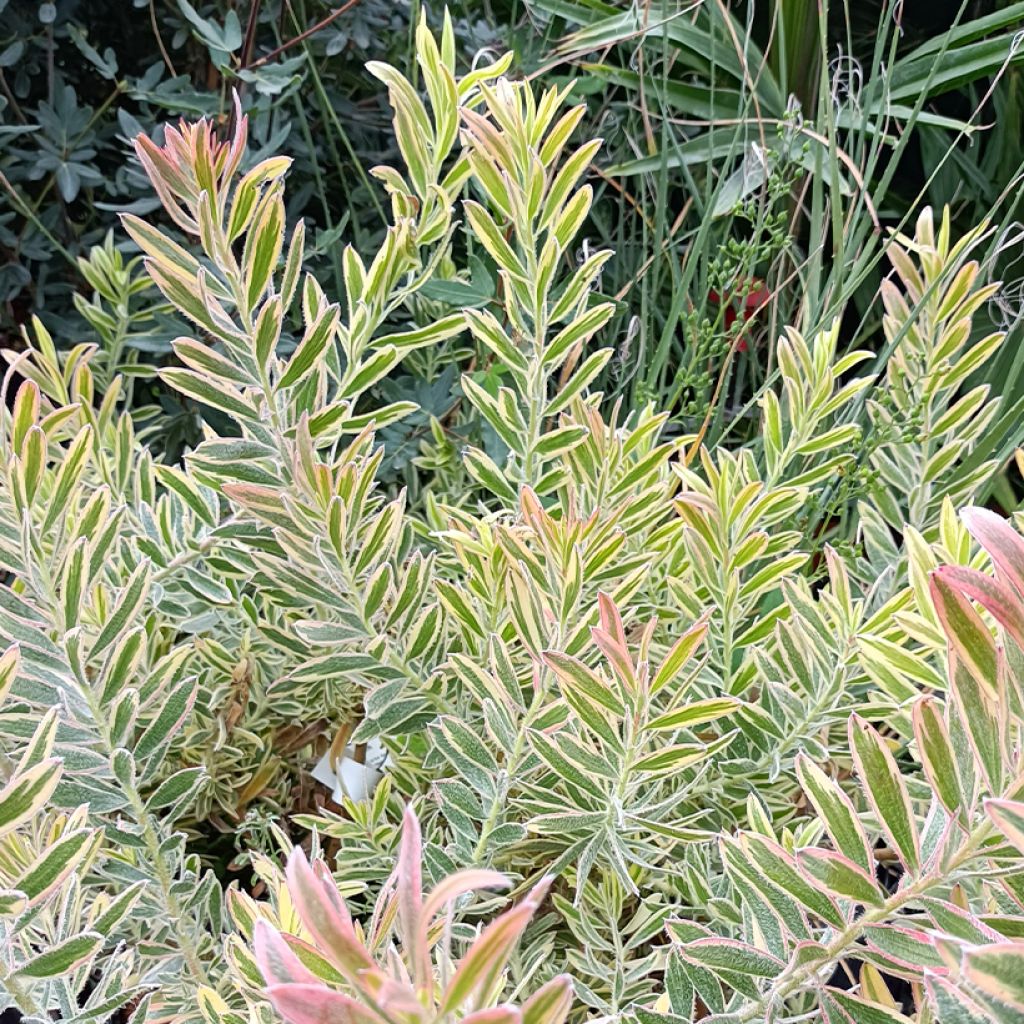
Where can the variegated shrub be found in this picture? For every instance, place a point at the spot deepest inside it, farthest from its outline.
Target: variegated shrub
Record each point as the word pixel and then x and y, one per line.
pixel 728 771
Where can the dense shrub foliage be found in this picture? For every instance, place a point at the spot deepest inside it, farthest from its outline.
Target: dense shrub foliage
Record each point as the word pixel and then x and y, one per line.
pixel 618 733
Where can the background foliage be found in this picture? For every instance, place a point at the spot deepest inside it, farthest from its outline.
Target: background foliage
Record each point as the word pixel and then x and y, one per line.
pixel 753 162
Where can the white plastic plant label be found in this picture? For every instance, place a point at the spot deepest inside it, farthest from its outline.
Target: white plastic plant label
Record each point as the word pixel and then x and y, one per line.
pixel 353 779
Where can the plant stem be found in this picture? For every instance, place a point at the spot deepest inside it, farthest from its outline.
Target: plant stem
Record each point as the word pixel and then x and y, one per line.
pixel 144 819
pixel 839 946
pixel 511 766
pixel 535 412
pixel 302 36
pixel 30 215
pixel 536 396
pixel 166 883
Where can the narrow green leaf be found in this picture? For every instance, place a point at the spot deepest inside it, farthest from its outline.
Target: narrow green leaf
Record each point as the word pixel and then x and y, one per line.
pixel 563 439
pixel 856 1008
pixel 698 713
pixel 312 347
pixel 27 793
pixel 571 672
pixel 369 371
pixel 732 956
pixel 551 1003
pixel 837 814
pixel 980 713
pixel 493 241
pixel 129 604
pixel 264 243
pixel 202 389
pixel 52 866
pixel 682 755
pixel 489 954
pixel 181 785
pixel 579 381
pixel 577 331
pixel 62 958
pixel 964 629
pixel 440 330
pixel 885 790
pixel 937 755
pixel 840 876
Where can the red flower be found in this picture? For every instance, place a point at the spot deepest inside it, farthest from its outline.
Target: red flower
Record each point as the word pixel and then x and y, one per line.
pixel 750 301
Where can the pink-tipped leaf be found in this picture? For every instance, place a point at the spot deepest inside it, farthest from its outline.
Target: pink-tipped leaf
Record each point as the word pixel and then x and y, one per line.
pixel 488 956
pixel 458 884
pixel 409 890
pixel 318 1004
pixel 277 963
pixel 997 970
pixel 504 1014
pixel 998 598
pixel 1008 817
pixel 839 876
pixel 966 633
pixel 938 758
pixel 551 1003
pixel 1004 544
pixel 323 912
pixel 836 812
pixel 953 1002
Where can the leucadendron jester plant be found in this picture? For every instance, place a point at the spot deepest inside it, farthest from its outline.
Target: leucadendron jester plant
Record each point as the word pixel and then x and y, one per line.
pixel 739 775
